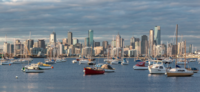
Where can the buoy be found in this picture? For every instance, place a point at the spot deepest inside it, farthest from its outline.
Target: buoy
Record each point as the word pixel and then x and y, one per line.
pixel 9 64
pixel 52 67
pixel 16 77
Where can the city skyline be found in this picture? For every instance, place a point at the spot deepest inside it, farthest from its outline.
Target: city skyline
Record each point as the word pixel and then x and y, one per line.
pixel 135 18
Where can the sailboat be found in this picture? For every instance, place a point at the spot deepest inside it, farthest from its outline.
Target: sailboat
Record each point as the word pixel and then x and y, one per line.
pixel 175 72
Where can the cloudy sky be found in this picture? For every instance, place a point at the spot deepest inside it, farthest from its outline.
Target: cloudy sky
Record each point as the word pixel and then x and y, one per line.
pixel 105 17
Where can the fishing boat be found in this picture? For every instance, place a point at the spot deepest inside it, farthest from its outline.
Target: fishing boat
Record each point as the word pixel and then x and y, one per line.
pixel 140 66
pixel 125 62
pixel 95 70
pixel 176 72
pixel 157 68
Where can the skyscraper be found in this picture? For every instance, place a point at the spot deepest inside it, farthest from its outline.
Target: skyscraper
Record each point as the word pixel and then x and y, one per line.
pixel 118 41
pixel 157 35
pixel 96 44
pixel 105 45
pixel 52 39
pixel 90 35
pixel 6 47
pixel 41 43
pixel 151 40
pixel 86 41
pixel 70 36
pixel 29 43
pixel 75 41
pixel 132 42
pixel 64 41
pixel 122 42
pixel 190 49
pixel 144 44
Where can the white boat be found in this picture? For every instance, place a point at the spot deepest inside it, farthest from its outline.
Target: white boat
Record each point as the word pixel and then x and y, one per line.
pixel 181 63
pixel 63 60
pixel 82 61
pixel 106 67
pixel 107 60
pixel 192 60
pixel 140 66
pixel 33 71
pixel 157 68
pixel 58 60
pixel 74 61
pixel 114 62
pixel 50 62
pixel 124 62
pixel 179 72
pixel 5 63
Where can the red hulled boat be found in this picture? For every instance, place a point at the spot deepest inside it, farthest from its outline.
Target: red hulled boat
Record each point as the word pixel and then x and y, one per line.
pixel 89 70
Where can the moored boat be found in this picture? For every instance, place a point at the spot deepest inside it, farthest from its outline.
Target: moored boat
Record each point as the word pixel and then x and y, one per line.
pixel 140 66
pixel 91 71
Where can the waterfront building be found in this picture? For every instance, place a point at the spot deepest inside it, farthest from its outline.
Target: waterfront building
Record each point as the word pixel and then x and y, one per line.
pixel 6 47
pixel 144 44
pixel 35 45
pixel 52 39
pixel 190 48
pixel 75 41
pixel 64 41
pixel 174 50
pixel 86 51
pixel 122 42
pixel 37 51
pixel 132 43
pixel 113 43
pixel 87 42
pixel 169 49
pixel 96 44
pixel 98 50
pixel 70 36
pixel 132 53
pixel 105 45
pixel 151 40
pixel 157 35
pixel 138 47
pixel 41 43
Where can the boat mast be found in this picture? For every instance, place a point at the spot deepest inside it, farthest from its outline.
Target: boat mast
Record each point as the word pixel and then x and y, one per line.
pixel 176 42
pixel 185 54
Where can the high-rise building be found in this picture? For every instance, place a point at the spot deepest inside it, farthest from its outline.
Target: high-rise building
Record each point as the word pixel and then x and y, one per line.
pixel 41 43
pixel 6 47
pixel 138 47
pixel 157 35
pixel 96 44
pixel 151 40
pixel 174 50
pixel 87 42
pixel 91 40
pixel 105 45
pixel 190 49
pixel 52 39
pixel 113 44
pixel 132 42
pixel 70 36
pixel 75 41
pixel 144 44
pixel 29 43
pixel 35 45
pixel 122 42
pixel 64 41
pixel 118 41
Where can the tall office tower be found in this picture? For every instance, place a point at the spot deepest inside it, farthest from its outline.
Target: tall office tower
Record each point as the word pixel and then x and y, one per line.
pixel 138 46
pixel 35 45
pixel 41 43
pixel 144 44
pixel 105 45
pixel 91 40
pixel 190 49
pixel 118 41
pixel 113 43
pixel 96 44
pixel 64 41
pixel 132 42
pixel 75 41
pixel 151 40
pixel 70 36
pixel 122 42
pixel 87 42
pixel 137 39
pixel 157 35
pixel 29 43
pixel 6 47
pixel 52 39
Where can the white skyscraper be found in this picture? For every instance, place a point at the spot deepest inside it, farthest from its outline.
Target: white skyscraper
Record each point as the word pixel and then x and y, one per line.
pixel 52 39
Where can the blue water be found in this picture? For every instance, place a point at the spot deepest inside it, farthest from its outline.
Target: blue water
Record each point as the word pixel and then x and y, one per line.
pixel 69 77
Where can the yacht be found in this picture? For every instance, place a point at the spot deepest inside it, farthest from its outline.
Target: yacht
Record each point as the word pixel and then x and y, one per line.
pixel 179 72
pixel 157 68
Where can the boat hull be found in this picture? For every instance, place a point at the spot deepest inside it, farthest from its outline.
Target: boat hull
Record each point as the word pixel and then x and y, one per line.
pixel 171 74
pixel 140 68
pixel 156 71
pixel 89 71
pixel 33 71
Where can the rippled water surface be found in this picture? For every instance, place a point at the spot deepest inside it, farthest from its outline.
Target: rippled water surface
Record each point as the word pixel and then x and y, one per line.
pixel 68 77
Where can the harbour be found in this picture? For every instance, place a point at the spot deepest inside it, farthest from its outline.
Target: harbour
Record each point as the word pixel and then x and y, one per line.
pixel 67 76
